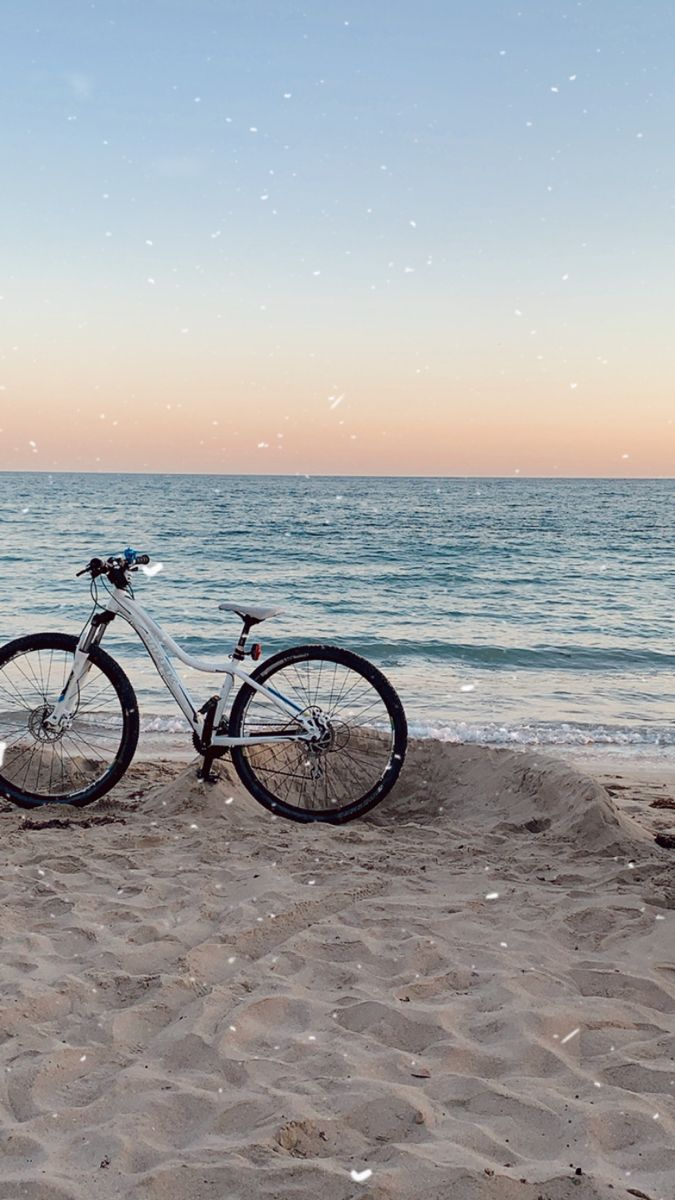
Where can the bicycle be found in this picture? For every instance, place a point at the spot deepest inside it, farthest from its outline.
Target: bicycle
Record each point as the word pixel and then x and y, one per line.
pixel 315 732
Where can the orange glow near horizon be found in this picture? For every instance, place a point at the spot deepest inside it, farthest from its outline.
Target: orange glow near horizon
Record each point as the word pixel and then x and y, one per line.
pixel 419 429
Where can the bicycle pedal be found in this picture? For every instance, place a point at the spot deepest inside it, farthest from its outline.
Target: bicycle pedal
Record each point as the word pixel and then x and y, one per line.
pixel 208 776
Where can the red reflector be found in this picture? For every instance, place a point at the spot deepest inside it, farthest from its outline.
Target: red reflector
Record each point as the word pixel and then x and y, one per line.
pixel 256 651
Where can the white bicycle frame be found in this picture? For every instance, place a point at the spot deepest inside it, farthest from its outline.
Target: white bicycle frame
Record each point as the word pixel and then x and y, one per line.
pixel 159 645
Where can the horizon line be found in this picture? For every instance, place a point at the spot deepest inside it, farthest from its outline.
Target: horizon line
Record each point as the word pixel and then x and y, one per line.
pixel 328 475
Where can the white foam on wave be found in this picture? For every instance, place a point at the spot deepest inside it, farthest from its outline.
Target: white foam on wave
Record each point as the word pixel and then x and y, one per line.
pixel 531 734
pixel 158 724
pixel 563 734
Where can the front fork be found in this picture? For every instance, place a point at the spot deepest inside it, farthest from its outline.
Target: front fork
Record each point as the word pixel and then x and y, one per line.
pixel 66 706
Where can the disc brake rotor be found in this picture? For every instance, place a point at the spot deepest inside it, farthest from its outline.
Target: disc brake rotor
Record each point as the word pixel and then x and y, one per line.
pixel 36 724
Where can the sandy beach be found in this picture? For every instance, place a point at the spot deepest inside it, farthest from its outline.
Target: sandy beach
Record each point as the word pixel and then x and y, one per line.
pixel 470 993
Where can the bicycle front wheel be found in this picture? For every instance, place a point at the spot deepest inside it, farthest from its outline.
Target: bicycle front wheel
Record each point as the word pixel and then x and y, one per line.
pixel 357 758
pixel 81 761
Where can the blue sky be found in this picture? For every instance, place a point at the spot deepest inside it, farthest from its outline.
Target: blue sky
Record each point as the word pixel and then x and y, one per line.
pixel 449 208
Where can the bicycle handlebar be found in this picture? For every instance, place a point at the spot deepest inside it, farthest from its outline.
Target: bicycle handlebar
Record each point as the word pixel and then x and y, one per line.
pixel 129 560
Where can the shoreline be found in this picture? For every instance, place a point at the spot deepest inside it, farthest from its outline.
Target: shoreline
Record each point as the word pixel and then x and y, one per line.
pixel 638 761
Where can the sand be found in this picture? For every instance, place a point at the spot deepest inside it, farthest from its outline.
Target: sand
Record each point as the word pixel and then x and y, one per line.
pixel 468 994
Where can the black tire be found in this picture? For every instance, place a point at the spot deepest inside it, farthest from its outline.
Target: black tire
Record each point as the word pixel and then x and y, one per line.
pixel 33 671
pixel 322 677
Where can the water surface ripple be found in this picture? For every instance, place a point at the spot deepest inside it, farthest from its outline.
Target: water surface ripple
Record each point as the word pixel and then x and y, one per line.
pixel 504 610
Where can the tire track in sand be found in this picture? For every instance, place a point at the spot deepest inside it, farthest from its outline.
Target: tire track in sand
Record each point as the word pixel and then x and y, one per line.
pixel 207 964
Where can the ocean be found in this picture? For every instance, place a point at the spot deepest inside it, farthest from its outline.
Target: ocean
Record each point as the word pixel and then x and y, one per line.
pixel 517 611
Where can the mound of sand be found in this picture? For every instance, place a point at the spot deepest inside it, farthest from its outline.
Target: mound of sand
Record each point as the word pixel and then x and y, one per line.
pixel 494 791
pixel 470 993
pixel 474 789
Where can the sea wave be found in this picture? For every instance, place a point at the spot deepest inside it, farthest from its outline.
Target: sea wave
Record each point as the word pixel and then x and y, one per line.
pixel 157 724
pixel 488 733
pixel 547 734
pixel 542 657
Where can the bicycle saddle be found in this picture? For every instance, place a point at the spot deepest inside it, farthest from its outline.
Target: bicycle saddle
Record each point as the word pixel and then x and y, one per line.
pixel 251 613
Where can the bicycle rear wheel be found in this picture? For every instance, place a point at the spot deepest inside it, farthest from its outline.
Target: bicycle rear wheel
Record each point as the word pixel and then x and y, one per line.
pixel 351 766
pixel 76 764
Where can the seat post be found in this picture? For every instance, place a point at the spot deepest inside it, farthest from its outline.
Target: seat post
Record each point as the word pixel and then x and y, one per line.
pixel 239 652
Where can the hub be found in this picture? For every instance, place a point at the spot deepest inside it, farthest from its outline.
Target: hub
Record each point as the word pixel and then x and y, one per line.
pixel 332 735
pixel 36 724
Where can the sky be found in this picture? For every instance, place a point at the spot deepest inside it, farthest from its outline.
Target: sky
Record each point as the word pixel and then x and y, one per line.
pixel 384 237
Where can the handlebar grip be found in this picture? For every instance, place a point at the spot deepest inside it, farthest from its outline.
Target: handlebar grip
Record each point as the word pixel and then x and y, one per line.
pixel 142 559
pixel 93 568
